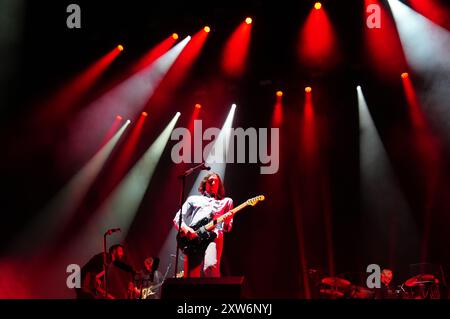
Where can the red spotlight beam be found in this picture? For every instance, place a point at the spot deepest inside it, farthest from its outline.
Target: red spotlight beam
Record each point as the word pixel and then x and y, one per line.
pixel 317 45
pixel 112 130
pixel 153 54
pixel 179 69
pixel 383 45
pixel 236 50
pixel 51 113
pixel 194 116
pixel 309 128
pixel 146 60
pixel 432 10
pixel 69 95
pixel 126 154
pixel 277 117
pixel 417 117
pixel 430 153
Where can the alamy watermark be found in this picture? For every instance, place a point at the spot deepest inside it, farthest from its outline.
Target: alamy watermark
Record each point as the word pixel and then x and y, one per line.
pixel 74 278
pixel 229 145
pixel 373 20
pixel 73 21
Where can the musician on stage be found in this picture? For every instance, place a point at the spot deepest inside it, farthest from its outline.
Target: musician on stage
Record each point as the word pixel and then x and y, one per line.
pixel 148 281
pixel 211 203
pixel 92 275
pixel 89 278
pixel 386 291
pixel 120 274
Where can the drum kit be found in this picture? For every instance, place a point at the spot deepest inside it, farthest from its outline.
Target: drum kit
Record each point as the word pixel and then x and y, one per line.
pixel 334 287
pixel 423 286
pixel 341 288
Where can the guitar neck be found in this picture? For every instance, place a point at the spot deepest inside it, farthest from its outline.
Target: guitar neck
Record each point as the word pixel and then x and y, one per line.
pixel 212 224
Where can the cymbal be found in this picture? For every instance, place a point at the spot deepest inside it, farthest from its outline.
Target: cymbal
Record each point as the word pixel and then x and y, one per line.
pixel 359 292
pixel 332 292
pixel 421 280
pixel 336 282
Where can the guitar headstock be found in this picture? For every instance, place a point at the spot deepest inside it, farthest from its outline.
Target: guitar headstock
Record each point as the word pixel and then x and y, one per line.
pixel 253 201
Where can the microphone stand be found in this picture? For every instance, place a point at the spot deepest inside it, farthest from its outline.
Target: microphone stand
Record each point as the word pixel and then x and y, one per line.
pixel 105 261
pixel 105 268
pixel 183 184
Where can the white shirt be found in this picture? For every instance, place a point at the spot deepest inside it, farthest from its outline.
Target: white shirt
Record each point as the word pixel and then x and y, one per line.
pixel 198 207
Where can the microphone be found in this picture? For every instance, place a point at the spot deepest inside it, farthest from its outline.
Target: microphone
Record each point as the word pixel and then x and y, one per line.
pixel 112 230
pixel 201 166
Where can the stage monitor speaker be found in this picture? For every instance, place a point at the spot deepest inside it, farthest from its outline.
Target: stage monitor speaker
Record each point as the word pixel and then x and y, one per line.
pixel 202 288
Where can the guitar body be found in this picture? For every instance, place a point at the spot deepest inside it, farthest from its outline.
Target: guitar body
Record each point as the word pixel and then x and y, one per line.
pixel 199 243
pixel 204 229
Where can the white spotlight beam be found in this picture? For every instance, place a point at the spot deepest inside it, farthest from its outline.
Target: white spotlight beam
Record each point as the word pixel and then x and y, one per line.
pixel 57 213
pixel 382 199
pixel 372 152
pixel 216 158
pixel 122 205
pixel 130 96
pixel 426 44
pixel 126 99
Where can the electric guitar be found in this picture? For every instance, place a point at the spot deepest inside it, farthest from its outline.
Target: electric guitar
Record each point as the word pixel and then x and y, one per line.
pixel 150 291
pixel 144 293
pixel 204 229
